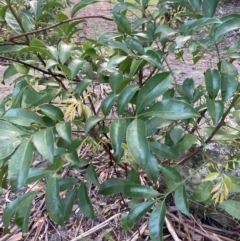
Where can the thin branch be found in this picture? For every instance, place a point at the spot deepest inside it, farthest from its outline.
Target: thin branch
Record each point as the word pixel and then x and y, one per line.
pixel 56 25
pixel 36 68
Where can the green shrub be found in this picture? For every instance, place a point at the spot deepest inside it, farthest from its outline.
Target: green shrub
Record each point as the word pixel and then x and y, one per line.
pixel 143 122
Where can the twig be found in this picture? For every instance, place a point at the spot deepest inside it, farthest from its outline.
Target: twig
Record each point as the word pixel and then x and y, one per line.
pixel 56 25
pixel 96 228
pixel 135 236
pixel 171 230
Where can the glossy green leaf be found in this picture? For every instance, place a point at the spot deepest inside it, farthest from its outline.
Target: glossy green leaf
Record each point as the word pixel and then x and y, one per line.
pixel 203 192
pixel 137 212
pixel 137 142
pixel 113 186
pixel 91 122
pixel 164 31
pixel 136 65
pixel 51 63
pixel 75 66
pixel 21 69
pixel 68 202
pixel 8 130
pixel 188 88
pixel 172 177
pixel 114 62
pixel 125 96
pixel 229 81
pixel 35 174
pixel 64 51
pixel 161 150
pixel 185 144
pixel 122 22
pixel 81 5
pixel 53 201
pixel 53 51
pixel 11 48
pixel 209 7
pixel 64 130
pixel 92 175
pixel 139 191
pixel 44 142
pixel 52 111
pixel 22 117
pixel 22 206
pixel 235 184
pixel 117 132
pixel 84 202
pixel 232 207
pixel 107 104
pixel 151 168
pixel 81 87
pixel 196 4
pixel 13 23
pixel 156 222
pixel 155 123
pixel 37 7
pixel 34 49
pixel 66 183
pixel 120 46
pixel 123 222
pixel 19 165
pixel 8 145
pixel 176 134
pixel 172 110
pixel 181 200
pixel 114 79
pixel 9 71
pixel 153 88
pixel 227 26
pixel 153 58
pixel 134 45
pixel 212 82
pixel 215 109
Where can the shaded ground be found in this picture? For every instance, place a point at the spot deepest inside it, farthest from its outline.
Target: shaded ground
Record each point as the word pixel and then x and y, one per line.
pixel 192 228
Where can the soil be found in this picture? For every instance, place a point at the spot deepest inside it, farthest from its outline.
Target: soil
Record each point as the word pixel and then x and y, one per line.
pixel 42 228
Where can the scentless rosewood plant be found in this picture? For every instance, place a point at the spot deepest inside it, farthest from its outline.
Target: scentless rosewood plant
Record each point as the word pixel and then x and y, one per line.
pixel 145 123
